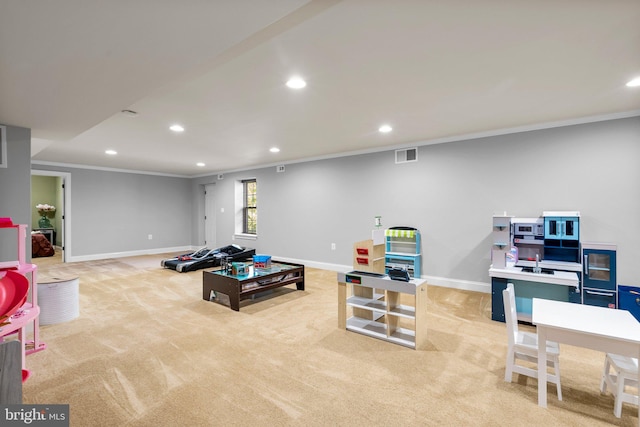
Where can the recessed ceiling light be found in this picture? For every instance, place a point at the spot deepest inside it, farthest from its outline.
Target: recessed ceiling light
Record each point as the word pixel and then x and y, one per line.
pixel 274 149
pixel 634 83
pixel 296 83
pixel 176 128
pixel 200 165
pixel 129 113
pixel 385 129
pixel 111 152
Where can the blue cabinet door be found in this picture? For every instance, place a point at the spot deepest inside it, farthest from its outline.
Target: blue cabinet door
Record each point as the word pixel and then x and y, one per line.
pixel 562 239
pixel 562 228
pixel 525 292
pixel 599 298
pixel 497 304
pixel 629 299
pixel 599 269
pixel 552 227
pixel 570 228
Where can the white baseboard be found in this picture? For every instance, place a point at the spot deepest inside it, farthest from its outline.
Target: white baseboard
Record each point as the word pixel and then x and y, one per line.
pixel 445 282
pixel 315 264
pixel 96 257
pixel 465 285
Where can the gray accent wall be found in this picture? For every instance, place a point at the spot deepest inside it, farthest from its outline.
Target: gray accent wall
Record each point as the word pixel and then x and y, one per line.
pixel 115 212
pixel 15 181
pixel 450 195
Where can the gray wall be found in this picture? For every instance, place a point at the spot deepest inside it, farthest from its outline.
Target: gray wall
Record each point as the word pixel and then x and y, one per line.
pixel 450 195
pixel 15 182
pixel 114 212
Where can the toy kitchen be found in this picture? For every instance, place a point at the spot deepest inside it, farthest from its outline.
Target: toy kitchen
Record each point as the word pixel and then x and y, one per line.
pixel 544 258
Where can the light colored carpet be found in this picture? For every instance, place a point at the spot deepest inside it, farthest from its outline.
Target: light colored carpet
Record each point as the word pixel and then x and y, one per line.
pixel 148 351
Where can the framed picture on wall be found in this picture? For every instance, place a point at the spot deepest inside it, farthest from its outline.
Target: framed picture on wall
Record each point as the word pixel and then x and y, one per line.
pixel 3 146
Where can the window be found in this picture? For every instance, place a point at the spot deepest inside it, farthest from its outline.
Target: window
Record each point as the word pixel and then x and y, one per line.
pixel 250 206
pixel 246 208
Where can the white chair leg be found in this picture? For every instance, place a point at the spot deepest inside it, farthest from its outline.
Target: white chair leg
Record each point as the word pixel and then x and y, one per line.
pixel 508 372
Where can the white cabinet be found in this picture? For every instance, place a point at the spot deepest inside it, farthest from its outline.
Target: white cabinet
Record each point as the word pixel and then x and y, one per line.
pixel 382 308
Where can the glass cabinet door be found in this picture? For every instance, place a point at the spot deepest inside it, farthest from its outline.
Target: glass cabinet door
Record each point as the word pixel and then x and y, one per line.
pixel 551 228
pixel 566 228
pixel 599 269
pixel 570 228
pixel 599 266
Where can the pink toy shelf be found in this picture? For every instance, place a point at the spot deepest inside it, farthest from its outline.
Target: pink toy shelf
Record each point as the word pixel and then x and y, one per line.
pixel 29 312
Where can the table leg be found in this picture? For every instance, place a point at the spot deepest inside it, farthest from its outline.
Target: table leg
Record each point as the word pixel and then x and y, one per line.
pixel 342 305
pixel 206 291
pixel 542 367
pixel 234 301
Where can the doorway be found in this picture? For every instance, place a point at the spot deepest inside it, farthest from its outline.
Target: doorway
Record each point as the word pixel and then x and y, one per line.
pixel 210 216
pixel 58 184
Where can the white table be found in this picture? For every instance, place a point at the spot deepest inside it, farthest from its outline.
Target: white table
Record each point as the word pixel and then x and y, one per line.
pixel 598 328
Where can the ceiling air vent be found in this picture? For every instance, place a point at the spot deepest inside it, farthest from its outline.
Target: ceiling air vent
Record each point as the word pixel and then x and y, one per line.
pixel 407 155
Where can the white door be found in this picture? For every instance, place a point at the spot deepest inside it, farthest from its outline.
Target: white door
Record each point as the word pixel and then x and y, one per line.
pixel 210 216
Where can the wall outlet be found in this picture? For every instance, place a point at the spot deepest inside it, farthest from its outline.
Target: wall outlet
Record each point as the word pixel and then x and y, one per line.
pixel 333 246
pixel 150 236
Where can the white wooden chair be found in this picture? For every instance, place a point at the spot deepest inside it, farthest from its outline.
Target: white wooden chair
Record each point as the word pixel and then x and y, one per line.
pixel 619 373
pixel 524 346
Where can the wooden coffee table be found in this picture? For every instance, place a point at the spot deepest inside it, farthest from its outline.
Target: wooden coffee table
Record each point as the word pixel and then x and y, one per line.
pixel 221 286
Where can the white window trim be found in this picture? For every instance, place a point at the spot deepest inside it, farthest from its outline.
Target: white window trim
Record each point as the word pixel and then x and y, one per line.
pixel 239 210
pixel 243 236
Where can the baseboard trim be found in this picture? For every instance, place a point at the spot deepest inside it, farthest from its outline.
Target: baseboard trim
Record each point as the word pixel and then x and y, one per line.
pixel 465 285
pixel 156 251
pixel 315 264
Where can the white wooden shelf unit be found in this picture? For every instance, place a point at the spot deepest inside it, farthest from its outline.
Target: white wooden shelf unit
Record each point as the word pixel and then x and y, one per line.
pixel 382 308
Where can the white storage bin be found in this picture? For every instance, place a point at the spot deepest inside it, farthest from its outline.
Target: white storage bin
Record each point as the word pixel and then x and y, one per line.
pixel 59 301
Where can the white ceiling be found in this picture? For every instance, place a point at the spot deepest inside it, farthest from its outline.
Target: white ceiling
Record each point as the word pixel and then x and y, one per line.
pixel 434 70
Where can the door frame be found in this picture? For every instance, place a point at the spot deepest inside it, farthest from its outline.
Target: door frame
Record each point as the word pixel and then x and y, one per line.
pixel 210 221
pixel 66 213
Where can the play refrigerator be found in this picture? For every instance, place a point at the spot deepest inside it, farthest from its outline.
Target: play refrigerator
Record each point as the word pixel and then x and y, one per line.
pixel 599 285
